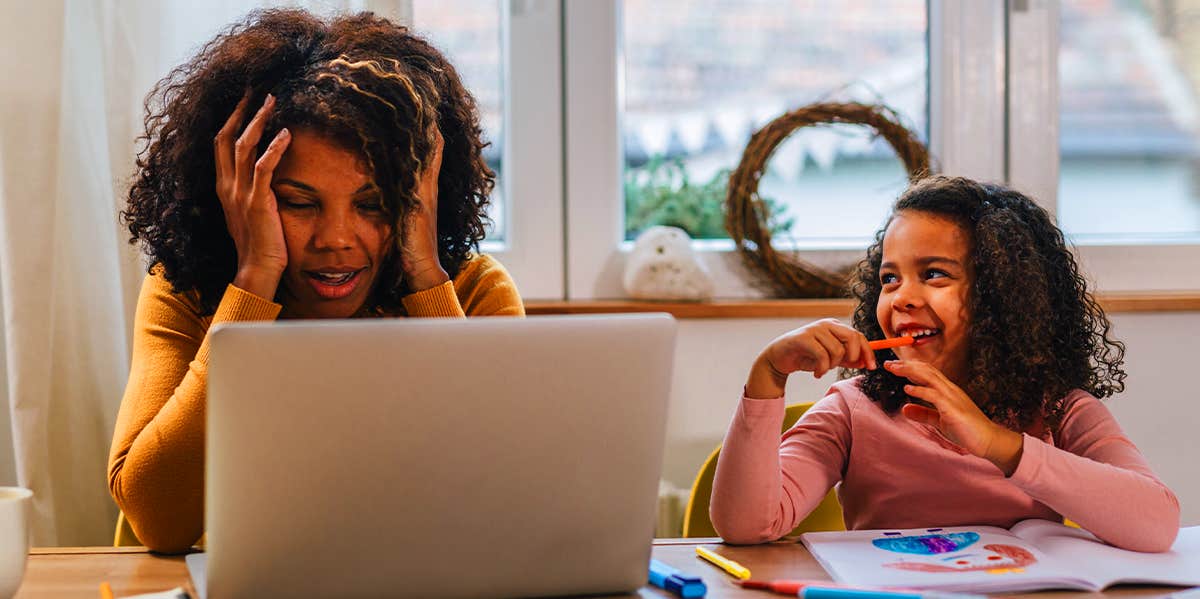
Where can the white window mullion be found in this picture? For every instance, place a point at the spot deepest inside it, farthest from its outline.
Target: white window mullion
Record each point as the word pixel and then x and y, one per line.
pixel 533 162
pixel 593 148
pixel 966 88
pixel 1033 99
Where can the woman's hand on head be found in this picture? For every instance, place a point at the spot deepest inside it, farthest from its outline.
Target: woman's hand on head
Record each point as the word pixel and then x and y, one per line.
pixel 817 348
pixel 244 188
pixel 955 414
pixel 419 250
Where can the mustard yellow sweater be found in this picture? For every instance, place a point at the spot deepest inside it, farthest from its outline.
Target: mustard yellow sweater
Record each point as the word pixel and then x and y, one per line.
pixel 156 464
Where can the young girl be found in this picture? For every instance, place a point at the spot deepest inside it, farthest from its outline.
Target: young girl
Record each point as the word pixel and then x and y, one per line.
pixel 990 417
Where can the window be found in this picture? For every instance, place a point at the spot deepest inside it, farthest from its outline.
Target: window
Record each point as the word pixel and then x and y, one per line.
pixel 1129 120
pixel 672 84
pixel 1102 130
pixel 468 33
pixel 701 76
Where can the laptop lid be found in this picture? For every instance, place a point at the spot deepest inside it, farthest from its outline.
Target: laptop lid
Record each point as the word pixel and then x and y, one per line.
pixel 435 458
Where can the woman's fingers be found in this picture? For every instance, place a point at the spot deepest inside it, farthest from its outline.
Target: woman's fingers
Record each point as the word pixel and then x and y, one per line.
pixel 223 148
pixel 244 149
pixel 264 168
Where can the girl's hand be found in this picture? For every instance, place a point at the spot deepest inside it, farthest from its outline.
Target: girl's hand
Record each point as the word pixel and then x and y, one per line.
pixel 955 415
pixel 816 348
pixel 244 188
pixel 419 246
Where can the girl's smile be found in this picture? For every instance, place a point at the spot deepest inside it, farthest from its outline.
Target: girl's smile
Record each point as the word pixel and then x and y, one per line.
pixel 925 276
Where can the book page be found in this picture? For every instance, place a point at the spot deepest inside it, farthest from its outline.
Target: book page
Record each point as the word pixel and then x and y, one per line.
pixel 967 558
pixel 1106 565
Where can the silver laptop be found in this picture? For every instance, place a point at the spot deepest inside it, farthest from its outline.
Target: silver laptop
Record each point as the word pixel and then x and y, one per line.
pixel 435 458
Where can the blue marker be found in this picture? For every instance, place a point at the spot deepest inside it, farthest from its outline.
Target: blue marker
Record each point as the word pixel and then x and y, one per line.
pixel 819 592
pixel 675 581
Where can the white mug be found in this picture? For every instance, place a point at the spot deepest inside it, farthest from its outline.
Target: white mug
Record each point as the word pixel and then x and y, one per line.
pixel 14 537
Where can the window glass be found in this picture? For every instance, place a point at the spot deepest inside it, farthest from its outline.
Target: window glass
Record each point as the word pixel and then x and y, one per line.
pixel 468 33
pixel 1128 72
pixel 701 75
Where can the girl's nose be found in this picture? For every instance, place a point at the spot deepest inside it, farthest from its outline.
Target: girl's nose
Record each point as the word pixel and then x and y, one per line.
pixel 906 299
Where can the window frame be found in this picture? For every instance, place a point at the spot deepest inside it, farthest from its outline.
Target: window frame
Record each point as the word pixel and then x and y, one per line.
pixel 1034 158
pixel 533 250
pixel 966 43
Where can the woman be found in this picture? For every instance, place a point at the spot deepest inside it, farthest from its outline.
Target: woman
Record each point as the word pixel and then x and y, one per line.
pixel 298 168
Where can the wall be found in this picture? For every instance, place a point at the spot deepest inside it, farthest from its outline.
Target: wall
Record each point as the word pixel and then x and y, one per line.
pixel 1159 412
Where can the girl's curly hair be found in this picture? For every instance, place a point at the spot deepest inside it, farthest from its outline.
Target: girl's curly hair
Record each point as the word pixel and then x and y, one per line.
pixel 1035 332
pixel 360 80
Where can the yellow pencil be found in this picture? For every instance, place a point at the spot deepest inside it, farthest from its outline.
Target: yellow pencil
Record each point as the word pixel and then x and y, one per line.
pixel 734 569
pixel 105 591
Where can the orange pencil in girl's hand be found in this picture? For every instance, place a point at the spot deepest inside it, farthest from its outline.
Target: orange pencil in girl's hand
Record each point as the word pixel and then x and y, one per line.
pixel 890 343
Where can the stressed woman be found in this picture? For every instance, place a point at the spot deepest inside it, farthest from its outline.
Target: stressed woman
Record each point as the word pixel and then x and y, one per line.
pixel 295 168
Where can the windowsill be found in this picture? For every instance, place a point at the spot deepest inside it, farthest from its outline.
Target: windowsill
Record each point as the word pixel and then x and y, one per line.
pixel 1113 303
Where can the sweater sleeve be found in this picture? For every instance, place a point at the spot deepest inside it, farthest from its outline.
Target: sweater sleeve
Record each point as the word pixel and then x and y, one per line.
pixel 764 485
pixel 1098 479
pixel 156 463
pixel 482 288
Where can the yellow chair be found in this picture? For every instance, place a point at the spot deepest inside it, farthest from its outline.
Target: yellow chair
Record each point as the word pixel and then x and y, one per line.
pixel 696 523
pixel 124 535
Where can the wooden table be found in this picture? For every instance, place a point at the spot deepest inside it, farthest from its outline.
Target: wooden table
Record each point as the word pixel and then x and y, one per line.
pixel 78 572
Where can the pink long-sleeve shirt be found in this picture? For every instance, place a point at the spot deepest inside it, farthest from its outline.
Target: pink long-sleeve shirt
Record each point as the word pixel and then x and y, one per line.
pixel 896 473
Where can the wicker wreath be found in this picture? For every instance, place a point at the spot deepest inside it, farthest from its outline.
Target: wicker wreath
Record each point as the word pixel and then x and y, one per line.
pixel 746 215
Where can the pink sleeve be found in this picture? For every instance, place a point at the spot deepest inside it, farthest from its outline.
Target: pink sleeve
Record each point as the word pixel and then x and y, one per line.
pixel 1099 480
pixel 764 485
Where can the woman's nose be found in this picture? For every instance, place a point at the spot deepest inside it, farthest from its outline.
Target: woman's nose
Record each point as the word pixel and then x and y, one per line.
pixel 335 231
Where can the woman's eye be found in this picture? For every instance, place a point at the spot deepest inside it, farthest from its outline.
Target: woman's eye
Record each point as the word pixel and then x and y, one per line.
pixel 295 204
pixel 371 207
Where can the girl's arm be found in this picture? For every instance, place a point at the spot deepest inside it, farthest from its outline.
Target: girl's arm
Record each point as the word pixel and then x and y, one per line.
pixel 764 485
pixel 1097 478
pixel 156 464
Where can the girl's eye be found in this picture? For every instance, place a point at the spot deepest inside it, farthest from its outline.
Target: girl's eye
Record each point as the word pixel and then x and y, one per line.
pixel 934 273
pixel 372 207
pixel 887 278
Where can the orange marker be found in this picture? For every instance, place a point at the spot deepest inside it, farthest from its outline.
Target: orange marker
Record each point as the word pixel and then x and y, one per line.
pixel 890 343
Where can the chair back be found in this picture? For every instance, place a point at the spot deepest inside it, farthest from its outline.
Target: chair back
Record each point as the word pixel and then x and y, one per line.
pixel 696 522
pixel 124 535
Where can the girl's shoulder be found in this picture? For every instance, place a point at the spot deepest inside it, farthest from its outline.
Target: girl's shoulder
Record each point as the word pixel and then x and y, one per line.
pixel 849 390
pixel 849 396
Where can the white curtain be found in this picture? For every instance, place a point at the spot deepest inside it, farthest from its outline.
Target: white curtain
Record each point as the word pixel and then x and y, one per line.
pixel 72 83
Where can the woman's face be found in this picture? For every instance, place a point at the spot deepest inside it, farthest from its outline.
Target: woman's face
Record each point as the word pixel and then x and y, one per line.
pixel 926 279
pixel 334 225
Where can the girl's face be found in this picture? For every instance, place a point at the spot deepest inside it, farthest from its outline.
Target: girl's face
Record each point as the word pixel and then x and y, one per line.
pixel 926 277
pixel 334 225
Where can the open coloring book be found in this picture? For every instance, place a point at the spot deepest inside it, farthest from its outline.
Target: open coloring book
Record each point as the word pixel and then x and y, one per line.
pixel 1034 554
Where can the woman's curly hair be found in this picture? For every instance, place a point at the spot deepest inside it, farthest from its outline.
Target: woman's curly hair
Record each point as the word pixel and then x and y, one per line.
pixel 360 80
pixel 1035 332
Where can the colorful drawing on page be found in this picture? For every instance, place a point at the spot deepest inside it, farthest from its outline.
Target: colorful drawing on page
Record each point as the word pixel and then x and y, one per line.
pixel 995 559
pixel 930 544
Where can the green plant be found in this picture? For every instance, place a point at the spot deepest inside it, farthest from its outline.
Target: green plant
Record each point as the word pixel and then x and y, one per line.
pixel 662 193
